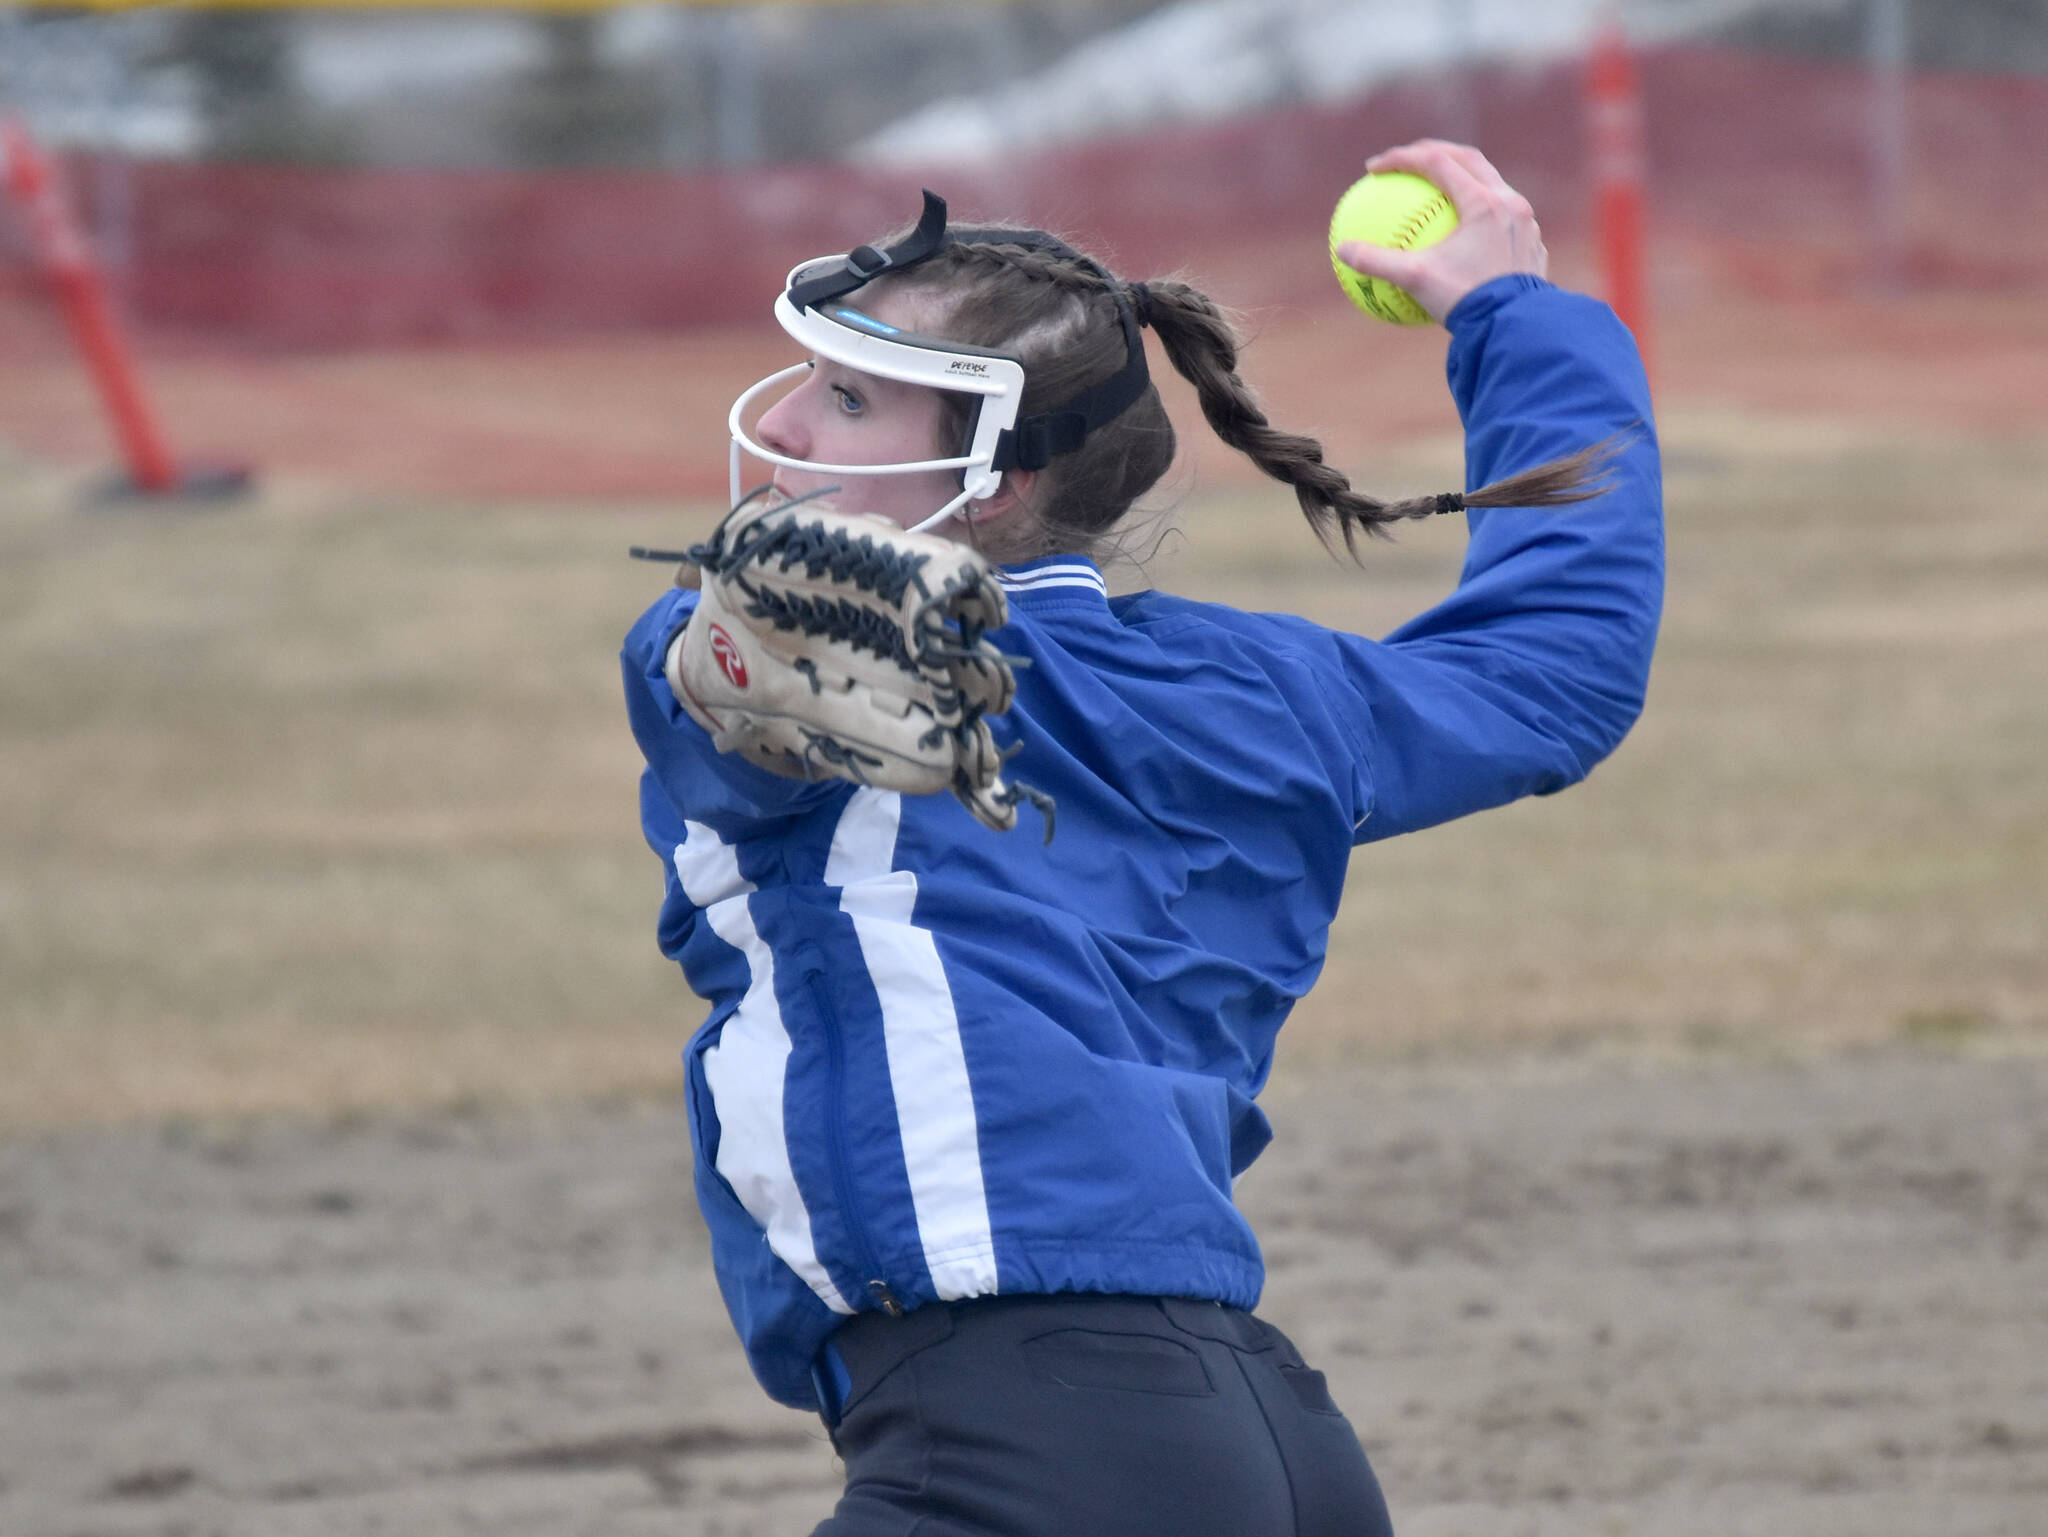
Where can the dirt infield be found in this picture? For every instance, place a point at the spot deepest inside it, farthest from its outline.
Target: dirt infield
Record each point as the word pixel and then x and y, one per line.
pixel 1556 1298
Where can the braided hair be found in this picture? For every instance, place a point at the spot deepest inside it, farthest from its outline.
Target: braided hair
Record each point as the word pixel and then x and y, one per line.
pixel 1057 316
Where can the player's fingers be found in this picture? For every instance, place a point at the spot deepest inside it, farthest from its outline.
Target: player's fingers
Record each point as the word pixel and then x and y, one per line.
pixel 1510 202
pixel 1411 156
pixel 1473 159
pixel 1482 171
pixel 1432 160
pixel 1469 156
pixel 1400 151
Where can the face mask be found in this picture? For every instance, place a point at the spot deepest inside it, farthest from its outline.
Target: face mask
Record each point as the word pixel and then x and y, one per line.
pixel 874 347
pixel 809 309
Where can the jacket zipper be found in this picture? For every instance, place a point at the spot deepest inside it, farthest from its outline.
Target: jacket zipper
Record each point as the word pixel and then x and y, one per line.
pixel 835 1133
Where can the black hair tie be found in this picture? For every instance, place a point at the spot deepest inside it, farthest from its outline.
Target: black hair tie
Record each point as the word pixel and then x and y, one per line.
pixel 1141 302
pixel 1450 501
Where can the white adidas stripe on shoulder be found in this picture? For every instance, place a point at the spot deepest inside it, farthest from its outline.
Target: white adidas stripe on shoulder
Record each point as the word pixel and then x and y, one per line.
pixel 1053 576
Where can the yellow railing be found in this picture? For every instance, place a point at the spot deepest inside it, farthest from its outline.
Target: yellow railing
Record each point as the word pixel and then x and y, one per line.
pixel 442 5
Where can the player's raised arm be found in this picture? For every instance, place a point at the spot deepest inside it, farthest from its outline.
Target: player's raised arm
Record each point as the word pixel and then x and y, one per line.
pixel 1537 665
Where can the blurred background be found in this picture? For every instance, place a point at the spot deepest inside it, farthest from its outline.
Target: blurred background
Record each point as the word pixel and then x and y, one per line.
pixel 264 185
pixel 322 798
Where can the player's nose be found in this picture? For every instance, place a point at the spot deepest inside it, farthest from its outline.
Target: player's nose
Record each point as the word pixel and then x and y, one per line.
pixel 781 427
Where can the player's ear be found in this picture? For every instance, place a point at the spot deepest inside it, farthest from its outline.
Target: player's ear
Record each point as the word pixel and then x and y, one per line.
pixel 1012 492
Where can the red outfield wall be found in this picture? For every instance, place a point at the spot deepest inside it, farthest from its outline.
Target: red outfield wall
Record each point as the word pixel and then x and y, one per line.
pixel 1763 156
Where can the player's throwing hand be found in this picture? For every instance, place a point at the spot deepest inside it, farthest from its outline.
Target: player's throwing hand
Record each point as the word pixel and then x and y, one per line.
pixel 1496 234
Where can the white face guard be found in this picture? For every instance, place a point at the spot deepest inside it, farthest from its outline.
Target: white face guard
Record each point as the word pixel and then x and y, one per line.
pixel 810 309
pixel 848 337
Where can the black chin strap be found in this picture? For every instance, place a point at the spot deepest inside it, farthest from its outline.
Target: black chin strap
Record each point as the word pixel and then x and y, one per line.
pixel 1035 440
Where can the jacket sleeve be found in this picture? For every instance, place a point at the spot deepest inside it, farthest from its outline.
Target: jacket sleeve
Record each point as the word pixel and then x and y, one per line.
pixel 725 792
pixel 1536 666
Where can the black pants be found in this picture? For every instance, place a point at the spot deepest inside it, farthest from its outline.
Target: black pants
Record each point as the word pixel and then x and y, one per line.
pixel 1086 1416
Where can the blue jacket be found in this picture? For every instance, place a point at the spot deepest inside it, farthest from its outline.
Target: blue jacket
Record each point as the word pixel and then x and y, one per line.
pixel 942 1062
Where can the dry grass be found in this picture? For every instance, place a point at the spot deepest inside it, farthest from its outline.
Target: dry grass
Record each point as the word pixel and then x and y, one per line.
pixel 327 803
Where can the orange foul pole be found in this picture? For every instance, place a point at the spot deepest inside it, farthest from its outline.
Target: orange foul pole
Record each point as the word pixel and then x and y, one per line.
pixel 67 261
pixel 1614 103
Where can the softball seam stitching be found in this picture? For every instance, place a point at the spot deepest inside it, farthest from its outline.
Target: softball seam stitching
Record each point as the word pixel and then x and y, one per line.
pixel 1420 217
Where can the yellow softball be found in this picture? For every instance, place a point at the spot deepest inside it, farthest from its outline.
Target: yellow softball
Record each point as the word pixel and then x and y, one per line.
pixel 1390 208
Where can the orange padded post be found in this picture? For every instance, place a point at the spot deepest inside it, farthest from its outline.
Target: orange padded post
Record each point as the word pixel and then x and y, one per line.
pixel 67 261
pixel 1614 103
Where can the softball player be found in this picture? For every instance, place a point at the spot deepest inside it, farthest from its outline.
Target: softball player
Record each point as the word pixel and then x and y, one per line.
pixel 968 1108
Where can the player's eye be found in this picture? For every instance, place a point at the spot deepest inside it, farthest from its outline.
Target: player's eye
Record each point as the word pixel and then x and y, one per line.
pixel 849 402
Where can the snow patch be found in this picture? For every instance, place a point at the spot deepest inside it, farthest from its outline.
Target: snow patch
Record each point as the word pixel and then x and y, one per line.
pixel 1207 60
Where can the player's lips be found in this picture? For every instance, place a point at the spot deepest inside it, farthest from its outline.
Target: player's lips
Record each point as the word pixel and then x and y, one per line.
pixel 780 490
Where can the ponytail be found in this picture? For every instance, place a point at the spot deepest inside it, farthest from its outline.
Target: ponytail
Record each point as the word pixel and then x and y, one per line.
pixel 1202 345
pixel 1057 313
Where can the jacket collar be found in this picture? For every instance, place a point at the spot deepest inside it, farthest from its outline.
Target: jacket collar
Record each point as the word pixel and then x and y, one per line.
pixel 1051 578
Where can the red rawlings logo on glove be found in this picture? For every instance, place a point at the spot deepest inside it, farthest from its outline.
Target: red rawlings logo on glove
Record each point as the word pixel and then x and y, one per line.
pixel 728 657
